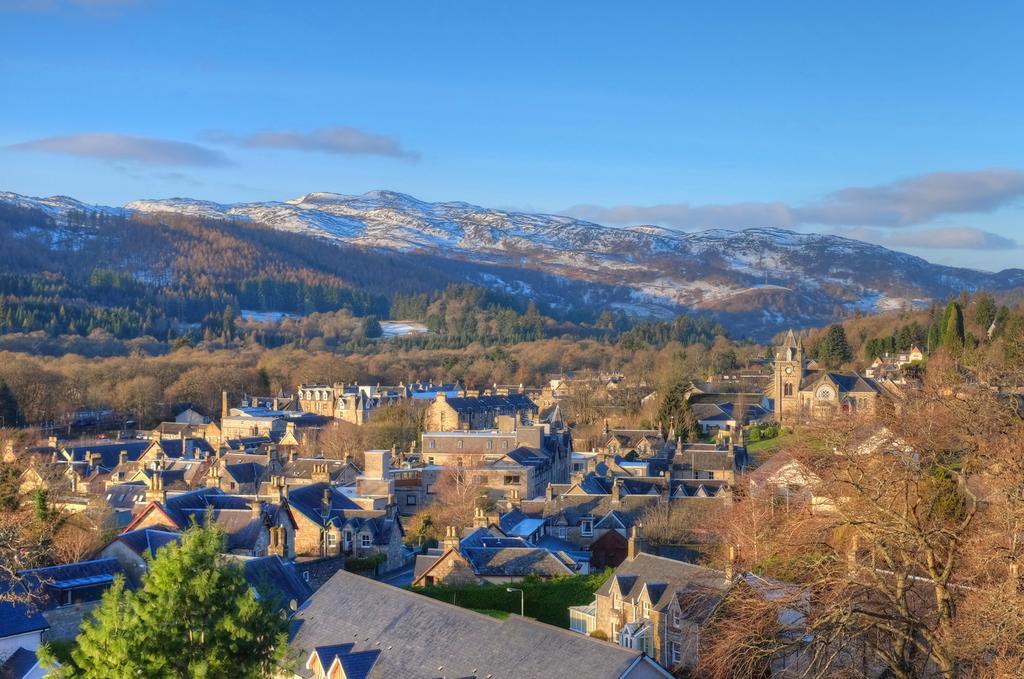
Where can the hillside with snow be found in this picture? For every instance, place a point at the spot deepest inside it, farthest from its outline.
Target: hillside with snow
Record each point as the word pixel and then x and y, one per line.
pixel 755 278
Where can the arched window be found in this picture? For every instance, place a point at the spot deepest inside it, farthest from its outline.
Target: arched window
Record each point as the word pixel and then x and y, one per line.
pixel 787 389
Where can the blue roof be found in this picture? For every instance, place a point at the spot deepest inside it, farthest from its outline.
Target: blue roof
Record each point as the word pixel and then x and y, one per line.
pixel 78 574
pixel 358 665
pixel 18 664
pixel 16 618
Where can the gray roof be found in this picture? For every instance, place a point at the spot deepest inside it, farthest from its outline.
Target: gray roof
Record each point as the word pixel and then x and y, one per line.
pixel 476 404
pixel 147 540
pixel 273 576
pixel 515 562
pixel 847 382
pixel 420 637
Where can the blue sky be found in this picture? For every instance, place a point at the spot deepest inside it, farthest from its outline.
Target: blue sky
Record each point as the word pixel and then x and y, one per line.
pixel 898 123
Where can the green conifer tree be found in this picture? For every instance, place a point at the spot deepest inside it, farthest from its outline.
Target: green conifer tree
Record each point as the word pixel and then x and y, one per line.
pixel 953 327
pixel 193 616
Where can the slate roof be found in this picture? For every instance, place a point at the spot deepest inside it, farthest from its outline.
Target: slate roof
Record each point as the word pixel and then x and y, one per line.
pixel 663 577
pixel 477 404
pixel 245 472
pixel 72 575
pixel 189 447
pixel 419 637
pixel 302 468
pixel 19 618
pixel 110 453
pixel 514 562
pixel 308 500
pixel 847 382
pixel 147 540
pixel 18 664
pixel 274 576
pixel 125 496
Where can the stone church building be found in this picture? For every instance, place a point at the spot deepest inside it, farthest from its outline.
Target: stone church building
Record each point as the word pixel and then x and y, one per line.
pixel 799 393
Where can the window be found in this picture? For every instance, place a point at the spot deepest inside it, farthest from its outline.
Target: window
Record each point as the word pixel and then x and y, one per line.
pixel 490 443
pixel 787 390
pixel 410 500
pixel 305 576
pixel 647 609
pixel 561 532
pixel 433 444
pixel 347 539
pixel 587 527
pixel 616 602
pixel 332 540
pixel 676 652
pixel 512 480
pixel 430 459
pixel 459 444
pixel 677 618
pixel 364 540
pixel 504 444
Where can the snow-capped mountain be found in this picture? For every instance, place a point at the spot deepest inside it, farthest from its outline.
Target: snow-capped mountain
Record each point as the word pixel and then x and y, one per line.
pixel 767 276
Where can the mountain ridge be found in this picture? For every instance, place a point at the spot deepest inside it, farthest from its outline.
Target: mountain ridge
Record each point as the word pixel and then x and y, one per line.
pixel 765 274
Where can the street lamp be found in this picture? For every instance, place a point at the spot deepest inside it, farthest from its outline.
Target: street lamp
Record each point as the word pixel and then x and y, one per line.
pixel 522 600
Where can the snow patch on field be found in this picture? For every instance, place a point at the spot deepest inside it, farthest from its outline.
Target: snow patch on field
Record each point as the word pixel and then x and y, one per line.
pixel 402 328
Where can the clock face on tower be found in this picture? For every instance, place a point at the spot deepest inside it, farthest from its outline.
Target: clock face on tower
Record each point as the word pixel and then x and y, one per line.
pixel 789 370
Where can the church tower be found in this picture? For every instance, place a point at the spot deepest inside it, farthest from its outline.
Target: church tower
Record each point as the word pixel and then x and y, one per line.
pixel 789 372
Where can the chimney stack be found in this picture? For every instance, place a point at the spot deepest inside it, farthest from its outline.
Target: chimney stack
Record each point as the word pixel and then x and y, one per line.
pixel 635 544
pixel 616 490
pixel 730 567
pixel 451 538
pixel 223 405
pixel 122 457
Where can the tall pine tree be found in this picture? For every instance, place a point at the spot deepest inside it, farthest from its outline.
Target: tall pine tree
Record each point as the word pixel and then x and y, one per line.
pixel 953 327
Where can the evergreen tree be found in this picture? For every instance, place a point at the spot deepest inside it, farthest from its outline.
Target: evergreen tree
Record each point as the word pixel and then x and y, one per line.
pixel 953 327
pixel 371 327
pixel 985 311
pixel 193 616
pixel 41 504
pixel 675 410
pixel 835 349
pixel 8 407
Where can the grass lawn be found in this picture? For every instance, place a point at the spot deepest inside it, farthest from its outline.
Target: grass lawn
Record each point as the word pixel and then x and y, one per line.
pixel 759 451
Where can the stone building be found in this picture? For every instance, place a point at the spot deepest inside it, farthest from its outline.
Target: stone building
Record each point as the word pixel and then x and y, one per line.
pixel 654 605
pixel 331 524
pixel 799 393
pixel 463 413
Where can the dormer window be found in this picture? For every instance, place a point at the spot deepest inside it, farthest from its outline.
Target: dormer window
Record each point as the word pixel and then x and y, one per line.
pixel 587 527
pixel 616 601
pixel 364 541
pixel 647 609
